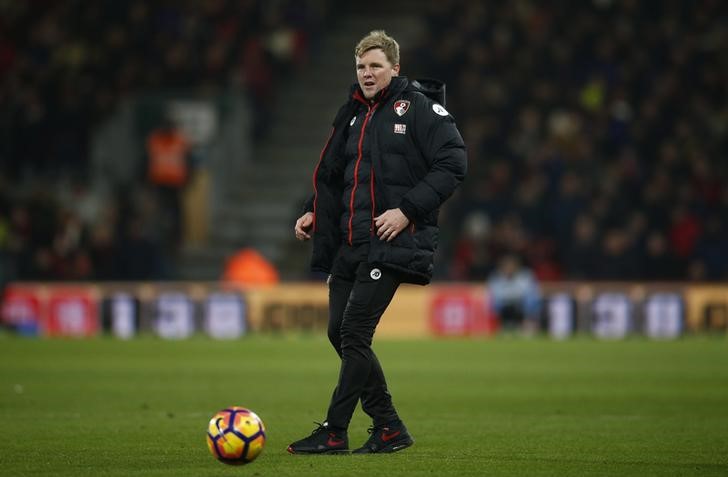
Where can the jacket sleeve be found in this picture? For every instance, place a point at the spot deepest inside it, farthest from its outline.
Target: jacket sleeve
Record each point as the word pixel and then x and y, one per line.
pixel 443 149
pixel 308 205
pixel 342 117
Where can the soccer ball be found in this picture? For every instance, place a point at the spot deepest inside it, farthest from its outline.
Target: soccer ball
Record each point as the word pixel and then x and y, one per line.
pixel 235 436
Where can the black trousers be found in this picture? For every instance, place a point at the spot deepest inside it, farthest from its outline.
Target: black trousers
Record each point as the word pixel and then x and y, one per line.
pixel 359 293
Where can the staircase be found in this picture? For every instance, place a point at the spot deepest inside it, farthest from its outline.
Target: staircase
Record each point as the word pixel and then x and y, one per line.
pixel 273 185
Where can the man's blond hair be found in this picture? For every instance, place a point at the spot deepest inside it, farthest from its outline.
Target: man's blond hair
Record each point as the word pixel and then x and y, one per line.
pixel 379 39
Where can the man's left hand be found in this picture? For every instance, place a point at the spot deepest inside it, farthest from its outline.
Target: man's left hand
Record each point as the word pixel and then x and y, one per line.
pixel 390 223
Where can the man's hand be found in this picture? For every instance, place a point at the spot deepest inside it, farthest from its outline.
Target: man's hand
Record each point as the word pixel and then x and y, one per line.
pixel 390 224
pixel 303 226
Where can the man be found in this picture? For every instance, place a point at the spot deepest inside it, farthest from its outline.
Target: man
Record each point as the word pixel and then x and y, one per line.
pixel 515 295
pixel 393 157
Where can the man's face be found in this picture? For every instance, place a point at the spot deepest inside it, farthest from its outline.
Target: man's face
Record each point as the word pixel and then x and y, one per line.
pixel 374 72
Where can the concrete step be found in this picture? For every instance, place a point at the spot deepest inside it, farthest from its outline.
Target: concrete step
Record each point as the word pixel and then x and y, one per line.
pixel 273 193
pixel 302 117
pixel 307 137
pixel 283 154
pixel 260 209
pixel 236 233
pixel 279 169
pixel 208 263
pixel 203 262
pixel 273 211
pixel 309 133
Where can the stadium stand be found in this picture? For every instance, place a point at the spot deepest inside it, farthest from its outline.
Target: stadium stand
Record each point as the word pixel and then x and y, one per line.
pixel 596 134
pixel 597 131
pixel 66 66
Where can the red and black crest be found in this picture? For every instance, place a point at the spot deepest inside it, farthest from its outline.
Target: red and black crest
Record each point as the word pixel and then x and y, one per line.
pixel 401 107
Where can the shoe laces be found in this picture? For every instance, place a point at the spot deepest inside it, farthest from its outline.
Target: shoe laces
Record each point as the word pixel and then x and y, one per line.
pixel 374 429
pixel 320 427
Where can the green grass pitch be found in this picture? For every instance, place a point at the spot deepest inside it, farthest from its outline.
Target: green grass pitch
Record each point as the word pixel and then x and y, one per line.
pixel 505 406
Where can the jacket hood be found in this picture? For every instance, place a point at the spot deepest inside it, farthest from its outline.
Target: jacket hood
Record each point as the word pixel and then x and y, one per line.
pixel 432 88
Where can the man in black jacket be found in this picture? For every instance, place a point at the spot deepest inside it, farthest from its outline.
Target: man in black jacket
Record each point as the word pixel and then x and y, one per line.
pixel 393 157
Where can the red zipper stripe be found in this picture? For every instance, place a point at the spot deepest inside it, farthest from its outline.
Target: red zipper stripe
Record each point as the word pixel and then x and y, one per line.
pixel 374 201
pixel 356 172
pixel 315 173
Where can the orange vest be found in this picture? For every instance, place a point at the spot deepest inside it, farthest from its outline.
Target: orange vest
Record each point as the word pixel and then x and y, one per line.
pixel 167 153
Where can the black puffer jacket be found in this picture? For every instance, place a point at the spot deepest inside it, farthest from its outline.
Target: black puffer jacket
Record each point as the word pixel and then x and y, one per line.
pixel 417 159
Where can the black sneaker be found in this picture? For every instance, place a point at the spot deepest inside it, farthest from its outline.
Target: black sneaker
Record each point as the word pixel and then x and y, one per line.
pixel 386 439
pixel 323 440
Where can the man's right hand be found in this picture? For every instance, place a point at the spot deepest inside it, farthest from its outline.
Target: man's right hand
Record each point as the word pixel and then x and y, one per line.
pixel 303 226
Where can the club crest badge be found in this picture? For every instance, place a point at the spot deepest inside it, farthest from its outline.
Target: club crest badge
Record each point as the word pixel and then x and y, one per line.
pixel 401 107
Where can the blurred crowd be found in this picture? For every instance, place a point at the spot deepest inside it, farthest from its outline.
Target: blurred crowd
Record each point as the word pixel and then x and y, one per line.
pixel 63 230
pixel 597 135
pixel 597 130
pixel 64 67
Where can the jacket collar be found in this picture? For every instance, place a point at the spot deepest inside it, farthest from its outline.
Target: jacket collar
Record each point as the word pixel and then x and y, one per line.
pixel 395 87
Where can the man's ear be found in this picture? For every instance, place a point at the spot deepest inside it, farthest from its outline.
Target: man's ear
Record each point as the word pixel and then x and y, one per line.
pixel 395 68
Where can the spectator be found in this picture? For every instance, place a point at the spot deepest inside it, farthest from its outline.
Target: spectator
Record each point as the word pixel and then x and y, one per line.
pixel 616 258
pixel 712 249
pixel 168 170
pixel 515 295
pixel 580 251
pixel 659 263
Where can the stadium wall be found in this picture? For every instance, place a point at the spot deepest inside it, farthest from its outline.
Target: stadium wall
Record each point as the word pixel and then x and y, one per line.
pixel 184 309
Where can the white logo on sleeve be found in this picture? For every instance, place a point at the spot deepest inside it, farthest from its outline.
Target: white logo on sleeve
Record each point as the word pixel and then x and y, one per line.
pixel 376 274
pixel 439 110
pixel 353 120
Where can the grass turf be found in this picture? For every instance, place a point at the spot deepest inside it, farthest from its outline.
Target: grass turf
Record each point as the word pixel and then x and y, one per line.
pixel 496 407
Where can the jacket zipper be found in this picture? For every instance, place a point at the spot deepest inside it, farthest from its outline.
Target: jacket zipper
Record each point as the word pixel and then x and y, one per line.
pixel 374 202
pixel 356 170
